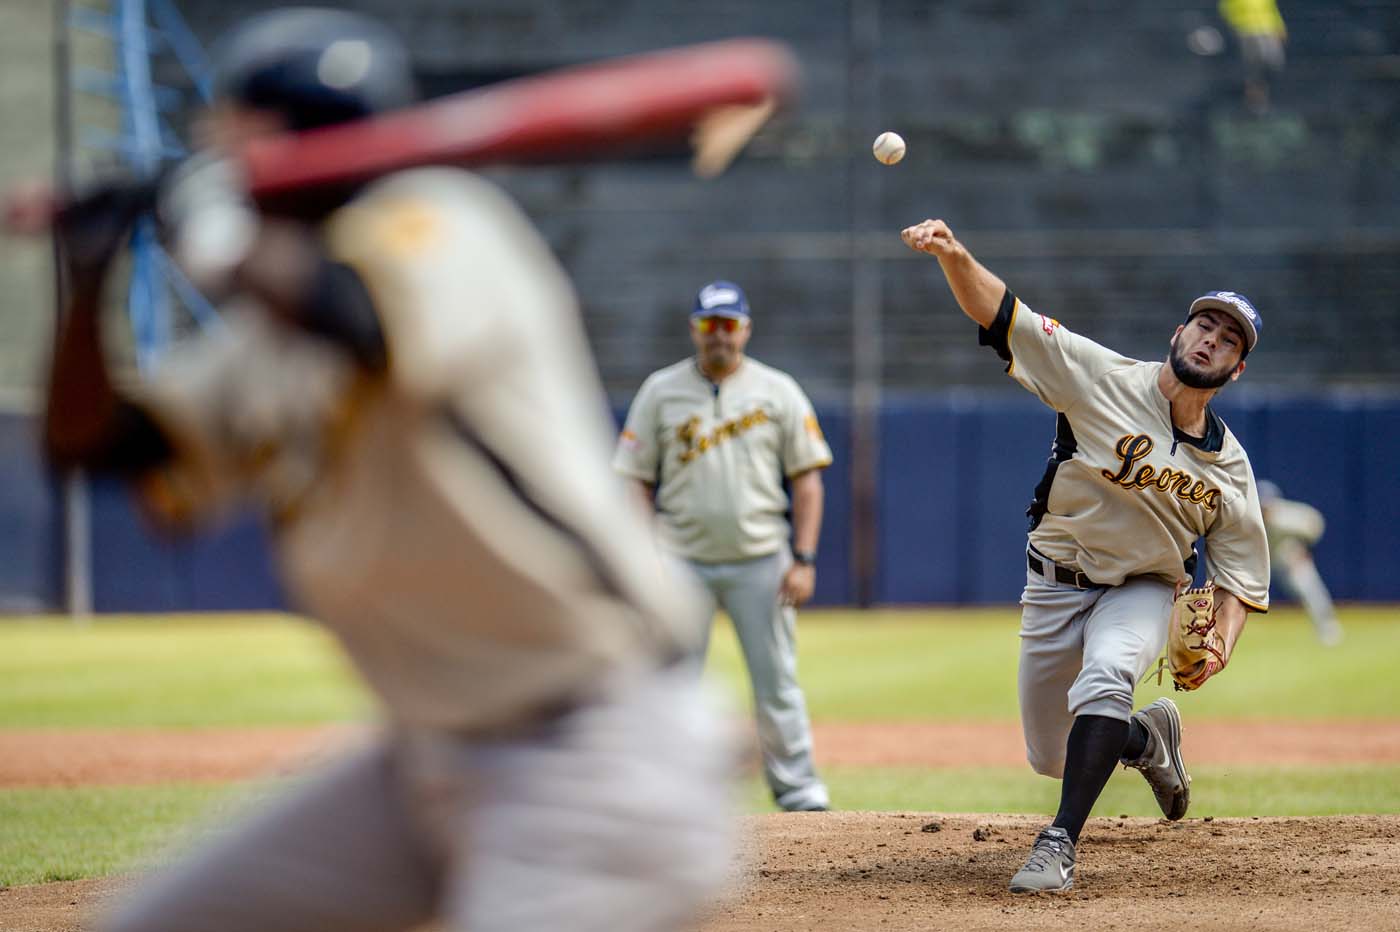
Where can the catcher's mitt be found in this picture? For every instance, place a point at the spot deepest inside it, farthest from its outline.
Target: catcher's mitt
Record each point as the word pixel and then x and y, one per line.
pixel 1195 651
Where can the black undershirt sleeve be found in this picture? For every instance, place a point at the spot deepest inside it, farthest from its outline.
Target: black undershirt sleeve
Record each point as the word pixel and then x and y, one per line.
pixel 998 336
pixel 338 309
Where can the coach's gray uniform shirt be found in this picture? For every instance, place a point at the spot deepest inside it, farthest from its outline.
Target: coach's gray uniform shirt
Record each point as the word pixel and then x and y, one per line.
pixel 1132 497
pixel 717 456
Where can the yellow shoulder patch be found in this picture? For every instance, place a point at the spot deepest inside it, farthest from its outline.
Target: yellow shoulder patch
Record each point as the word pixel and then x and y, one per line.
pixel 407 227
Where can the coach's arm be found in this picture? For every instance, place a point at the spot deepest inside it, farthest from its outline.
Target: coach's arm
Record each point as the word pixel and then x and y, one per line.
pixel 808 499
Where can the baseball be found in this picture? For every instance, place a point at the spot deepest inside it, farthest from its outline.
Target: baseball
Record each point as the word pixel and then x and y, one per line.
pixel 889 148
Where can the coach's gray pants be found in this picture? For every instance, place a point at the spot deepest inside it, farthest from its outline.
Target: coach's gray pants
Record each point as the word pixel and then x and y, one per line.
pixel 614 816
pixel 1082 653
pixel 748 593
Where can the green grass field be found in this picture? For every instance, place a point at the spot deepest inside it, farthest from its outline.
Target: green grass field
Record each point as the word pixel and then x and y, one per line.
pixel 175 671
pixel 77 832
pixel 855 666
pixel 217 671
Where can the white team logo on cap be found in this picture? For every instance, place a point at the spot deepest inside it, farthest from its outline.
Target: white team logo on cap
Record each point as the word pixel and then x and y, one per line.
pixel 716 295
pixel 1238 301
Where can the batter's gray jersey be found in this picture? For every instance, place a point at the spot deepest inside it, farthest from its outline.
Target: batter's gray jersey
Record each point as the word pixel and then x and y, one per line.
pixel 424 514
pixel 717 456
pixel 1128 494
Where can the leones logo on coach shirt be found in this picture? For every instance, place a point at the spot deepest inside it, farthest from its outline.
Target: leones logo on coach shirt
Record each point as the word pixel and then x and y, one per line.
pixel 697 443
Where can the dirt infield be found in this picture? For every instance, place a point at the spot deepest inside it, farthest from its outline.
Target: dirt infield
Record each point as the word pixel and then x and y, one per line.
pixel 890 871
pixel 136 756
pixel 72 758
pixel 900 872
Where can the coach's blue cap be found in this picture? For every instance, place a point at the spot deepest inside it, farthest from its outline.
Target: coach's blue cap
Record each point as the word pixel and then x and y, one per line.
pixel 721 299
pixel 1238 307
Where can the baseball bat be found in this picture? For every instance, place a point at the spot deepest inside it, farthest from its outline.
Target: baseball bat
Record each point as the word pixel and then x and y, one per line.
pixel 722 92
pixel 561 115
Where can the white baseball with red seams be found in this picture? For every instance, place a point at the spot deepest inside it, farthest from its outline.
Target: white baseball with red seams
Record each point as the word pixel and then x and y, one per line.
pixel 888 148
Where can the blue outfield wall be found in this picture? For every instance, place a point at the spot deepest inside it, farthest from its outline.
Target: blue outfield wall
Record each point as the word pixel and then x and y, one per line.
pixel 31 543
pixel 955 474
pixel 136 569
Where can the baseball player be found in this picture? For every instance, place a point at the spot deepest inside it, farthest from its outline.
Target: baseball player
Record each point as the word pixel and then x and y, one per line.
pixel 710 441
pixel 403 387
pixel 1140 468
pixel 1293 529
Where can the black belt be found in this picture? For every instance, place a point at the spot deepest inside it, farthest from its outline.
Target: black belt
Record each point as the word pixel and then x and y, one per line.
pixel 1062 575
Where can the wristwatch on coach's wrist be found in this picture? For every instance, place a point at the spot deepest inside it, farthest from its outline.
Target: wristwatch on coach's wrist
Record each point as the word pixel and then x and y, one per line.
pixel 805 557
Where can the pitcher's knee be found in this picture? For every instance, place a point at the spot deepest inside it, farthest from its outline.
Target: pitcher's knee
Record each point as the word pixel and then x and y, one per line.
pixel 1103 691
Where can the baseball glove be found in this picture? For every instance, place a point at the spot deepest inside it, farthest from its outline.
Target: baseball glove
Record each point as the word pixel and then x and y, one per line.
pixel 1195 651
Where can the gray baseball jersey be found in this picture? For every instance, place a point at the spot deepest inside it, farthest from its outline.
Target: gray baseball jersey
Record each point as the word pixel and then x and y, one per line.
pixel 1122 501
pixel 424 514
pixel 1126 493
pixel 717 456
pixel 455 522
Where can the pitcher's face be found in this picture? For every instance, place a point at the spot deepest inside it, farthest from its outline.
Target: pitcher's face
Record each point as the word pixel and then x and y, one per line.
pixel 1207 351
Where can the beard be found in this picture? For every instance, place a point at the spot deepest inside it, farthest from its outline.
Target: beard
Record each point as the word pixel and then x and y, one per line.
pixel 718 357
pixel 1192 377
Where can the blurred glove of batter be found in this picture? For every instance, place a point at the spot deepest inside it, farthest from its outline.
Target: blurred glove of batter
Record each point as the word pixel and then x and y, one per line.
pixel 1194 649
pixel 93 224
pixel 208 218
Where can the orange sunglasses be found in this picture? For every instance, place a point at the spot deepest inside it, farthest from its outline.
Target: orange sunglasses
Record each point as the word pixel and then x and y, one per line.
pixel 711 324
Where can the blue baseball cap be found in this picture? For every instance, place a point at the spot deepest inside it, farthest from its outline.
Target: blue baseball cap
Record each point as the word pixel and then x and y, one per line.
pixel 721 299
pixel 1237 306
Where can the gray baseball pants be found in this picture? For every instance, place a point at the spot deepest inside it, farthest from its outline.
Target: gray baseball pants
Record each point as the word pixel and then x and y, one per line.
pixel 614 816
pixel 1082 653
pixel 748 592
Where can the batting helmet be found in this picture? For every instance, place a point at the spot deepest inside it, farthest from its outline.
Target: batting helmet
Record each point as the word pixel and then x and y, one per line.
pixel 316 67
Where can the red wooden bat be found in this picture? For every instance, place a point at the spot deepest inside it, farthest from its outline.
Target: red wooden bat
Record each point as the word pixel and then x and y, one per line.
pixel 722 91
pixel 566 114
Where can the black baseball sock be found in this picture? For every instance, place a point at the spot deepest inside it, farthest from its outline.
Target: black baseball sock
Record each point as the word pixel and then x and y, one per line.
pixel 1096 742
pixel 1137 740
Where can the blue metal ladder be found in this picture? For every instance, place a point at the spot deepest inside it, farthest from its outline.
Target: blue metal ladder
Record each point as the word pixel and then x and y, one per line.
pixel 140 31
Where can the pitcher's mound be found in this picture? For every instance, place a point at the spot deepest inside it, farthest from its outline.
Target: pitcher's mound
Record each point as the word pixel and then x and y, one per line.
pixel 891 872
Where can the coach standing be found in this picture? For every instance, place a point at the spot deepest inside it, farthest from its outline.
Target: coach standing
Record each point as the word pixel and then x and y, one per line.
pixel 711 439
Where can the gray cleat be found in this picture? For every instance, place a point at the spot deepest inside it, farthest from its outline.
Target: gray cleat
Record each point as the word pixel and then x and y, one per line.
pixel 1161 761
pixel 1051 864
